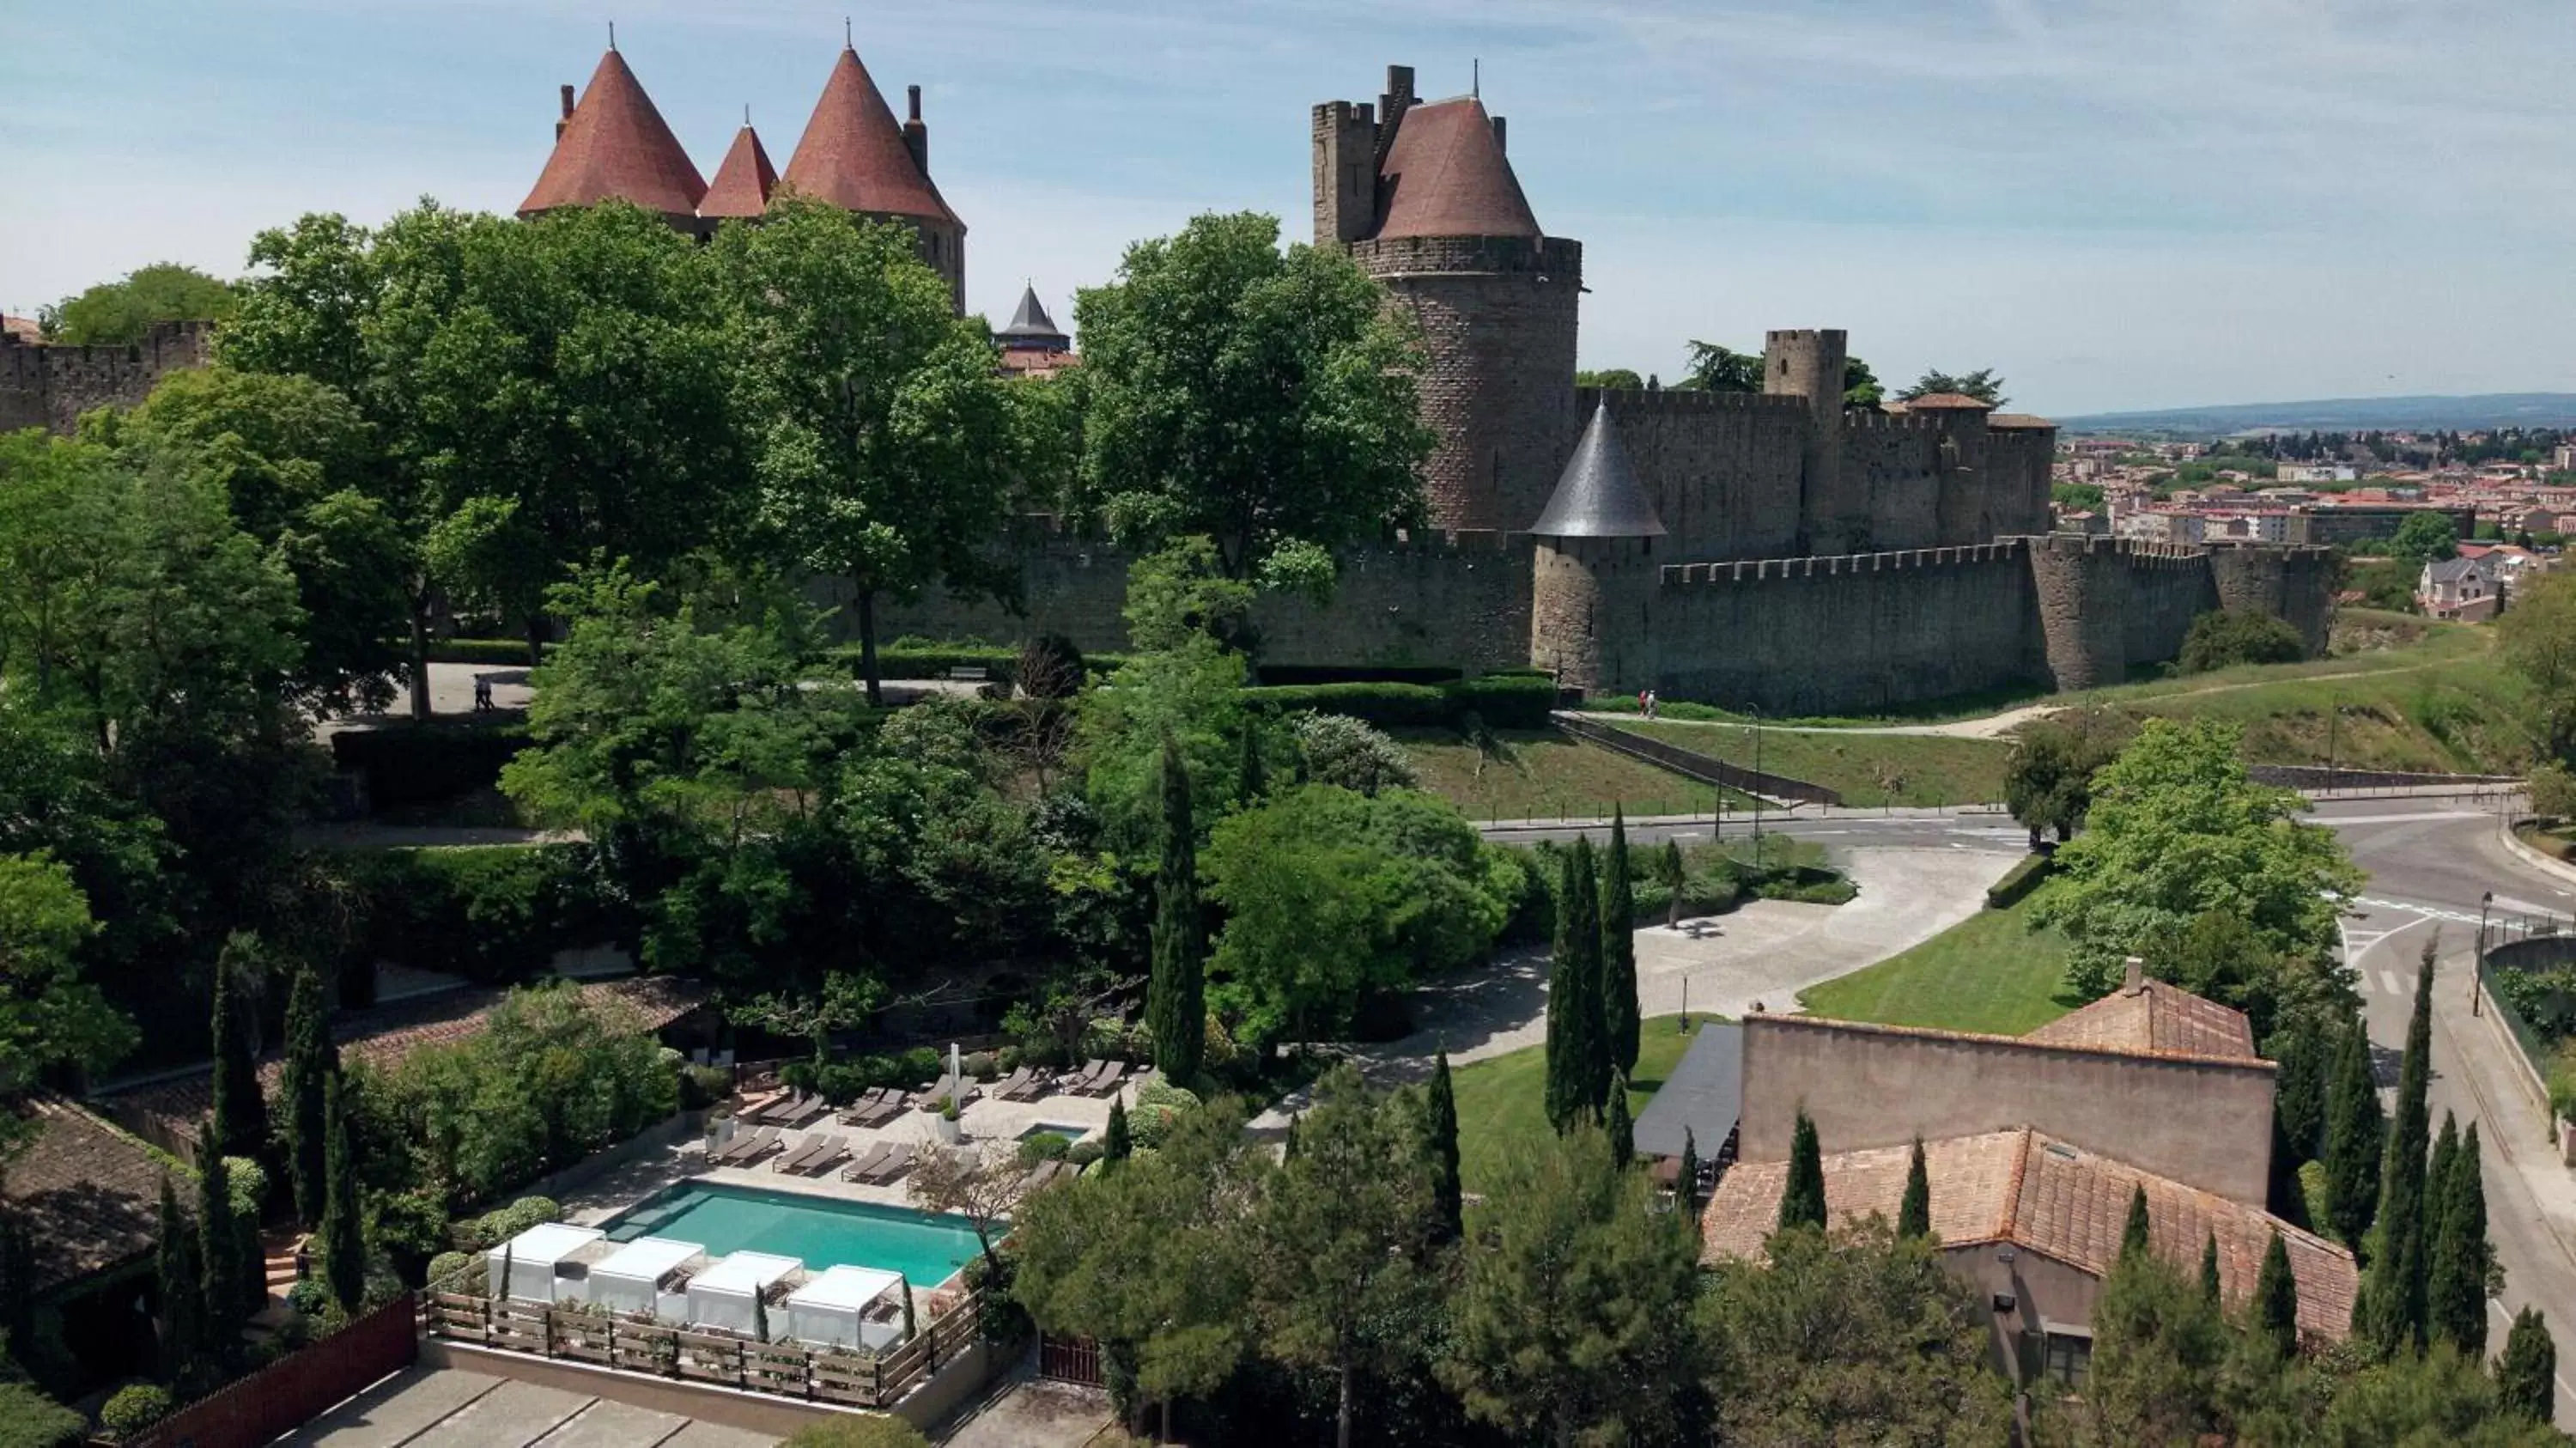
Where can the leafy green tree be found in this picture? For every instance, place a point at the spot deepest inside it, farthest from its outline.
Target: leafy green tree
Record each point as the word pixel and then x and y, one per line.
pixel 1981 384
pixel 1802 1197
pixel 1861 387
pixel 123 311
pixel 1617 1126
pixel 48 1014
pixel 2048 782
pixel 2276 1298
pixel 1862 1336
pixel 2175 831
pixel 2391 1315
pixel 2299 1047
pixel 2223 638
pixel 2438 1397
pixel 1568 1294
pixel 1616 378
pixel 1713 368
pixel 1176 1001
pixel 1340 750
pixel 1914 1209
pixel 240 1111
pixel 1440 1151
pixel 2456 1292
pixel 2078 496
pixel 343 1240
pixel 1575 1048
pixel 2135 1234
pixel 2527 1375
pixel 1265 399
pixel 1194 691
pixel 885 447
pixel 1339 1229
pixel 2356 1131
pixel 2209 1283
pixel 1619 948
pixel 2537 639
pixel 220 1261
pixel 2425 537
pixel 2159 1347
pixel 1670 874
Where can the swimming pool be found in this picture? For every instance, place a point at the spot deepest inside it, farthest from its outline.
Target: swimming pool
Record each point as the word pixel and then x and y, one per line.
pixel 925 1247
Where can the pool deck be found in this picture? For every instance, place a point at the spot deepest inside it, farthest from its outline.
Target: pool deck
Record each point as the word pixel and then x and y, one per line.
pixel 985 1122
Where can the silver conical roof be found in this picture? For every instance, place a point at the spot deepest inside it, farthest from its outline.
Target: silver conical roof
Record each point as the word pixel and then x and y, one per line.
pixel 1598 495
pixel 1030 319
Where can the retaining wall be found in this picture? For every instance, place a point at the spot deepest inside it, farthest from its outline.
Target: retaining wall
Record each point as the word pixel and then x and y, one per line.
pixel 296 1388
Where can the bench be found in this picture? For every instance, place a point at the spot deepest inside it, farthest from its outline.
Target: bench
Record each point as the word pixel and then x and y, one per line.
pixel 969 674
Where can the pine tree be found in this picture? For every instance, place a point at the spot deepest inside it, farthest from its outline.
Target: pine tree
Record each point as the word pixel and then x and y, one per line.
pixel 1577 1066
pixel 1686 1179
pixel 2210 1287
pixel 1802 1198
pixel 1176 997
pixel 2455 1295
pixel 175 1263
pixel 2276 1298
pixel 344 1245
pixel 1621 1131
pixel 220 1289
pixel 2355 1130
pixel 1115 1143
pixel 2527 1374
pixel 1914 1209
pixel 1448 1211
pixel 2135 1235
pixel 1619 949
pixel 1673 876
pixel 309 1058
pixel 241 1114
pixel 2392 1290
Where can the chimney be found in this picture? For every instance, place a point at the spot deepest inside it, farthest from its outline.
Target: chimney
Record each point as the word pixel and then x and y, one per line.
pixel 564 119
pixel 916 136
pixel 1498 134
pixel 2133 976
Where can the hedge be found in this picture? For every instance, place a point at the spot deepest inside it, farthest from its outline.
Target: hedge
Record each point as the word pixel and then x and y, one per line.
pixel 408 764
pixel 1502 701
pixel 933 661
pixel 2018 882
pixel 489 913
pixel 1356 674
pixel 479 651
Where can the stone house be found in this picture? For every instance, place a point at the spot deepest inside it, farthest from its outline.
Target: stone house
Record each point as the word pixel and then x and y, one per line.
pixel 2464 589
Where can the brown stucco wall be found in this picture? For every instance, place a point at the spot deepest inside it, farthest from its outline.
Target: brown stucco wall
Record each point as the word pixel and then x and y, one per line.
pixel 2044 1291
pixel 2203 1122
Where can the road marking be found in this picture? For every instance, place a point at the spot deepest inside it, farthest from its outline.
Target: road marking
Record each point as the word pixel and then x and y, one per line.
pixel 2429 912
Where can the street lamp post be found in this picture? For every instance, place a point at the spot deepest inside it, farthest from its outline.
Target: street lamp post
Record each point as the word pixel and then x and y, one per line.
pixel 2334 720
pixel 1757 786
pixel 2478 967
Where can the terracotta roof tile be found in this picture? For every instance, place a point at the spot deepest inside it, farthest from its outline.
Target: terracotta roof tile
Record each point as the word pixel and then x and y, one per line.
pixel 25 329
pixel 2156 1018
pixel 2045 1196
pixel 744 180
pixel 616 147
pixel 90 1195
pixel 1445 175
pixel 1946 402
pixel 852 154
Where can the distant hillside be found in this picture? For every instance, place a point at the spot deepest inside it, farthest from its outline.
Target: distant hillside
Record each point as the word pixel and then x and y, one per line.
pixel 2343 414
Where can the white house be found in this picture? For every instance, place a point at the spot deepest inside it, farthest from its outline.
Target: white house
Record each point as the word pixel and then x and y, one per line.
pixel 2464 589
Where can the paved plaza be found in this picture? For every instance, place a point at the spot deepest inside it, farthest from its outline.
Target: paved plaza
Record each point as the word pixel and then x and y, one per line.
pixel 423 1407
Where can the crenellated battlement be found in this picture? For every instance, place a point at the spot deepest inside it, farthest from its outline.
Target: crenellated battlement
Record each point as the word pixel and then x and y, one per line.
pixel 1644 402
pixel 50 386
pixel 1870 419
pixel 1680 575
pixel 1547 258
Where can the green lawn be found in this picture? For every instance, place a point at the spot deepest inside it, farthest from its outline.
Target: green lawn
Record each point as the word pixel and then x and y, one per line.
pixel 1992 972
pixel 1868 769
pixel 1544 775
pixel 1502 1100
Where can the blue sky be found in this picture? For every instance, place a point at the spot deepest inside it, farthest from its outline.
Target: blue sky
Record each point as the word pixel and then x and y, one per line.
pixel 2116 204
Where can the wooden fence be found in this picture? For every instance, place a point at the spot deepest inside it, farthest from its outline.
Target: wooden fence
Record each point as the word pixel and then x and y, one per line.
pixel 294 1389
pixel 1070 1360
pixel 851 1377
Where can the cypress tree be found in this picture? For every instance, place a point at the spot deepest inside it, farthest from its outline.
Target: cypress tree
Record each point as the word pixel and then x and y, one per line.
pixel 2526 1376
pixel 1252 780
pixel 2134 1236
pixel 759 1314
pixel 2455 1296
pixel 344 1245
pixel 2437 1179
pixel 1448 1211
pixel 2276 1298
pixel 18 1281
pixel 1288 1138
pixel 911 1324
pixel 2210 1287
pixel 1115 1143
pixel 182 1293
pixel 308 1060
pixel 1578 1077
pixel 1686 1180
pixel 1914 1210
pixel 1176 997
pixel 502 1293
pixel 2354 1129
pixel 220 1290
pixel 241 1114
pixel 1619 949
pixel 1672 875
pixel 1620 1129
pixel 2299 1102
pixel 1802 1198
pixel 2392 1291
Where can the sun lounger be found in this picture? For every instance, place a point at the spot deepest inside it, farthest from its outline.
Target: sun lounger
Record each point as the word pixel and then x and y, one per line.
pixel 896 1161
pixel 794 1156
pixel 779 1111
pixel 818 1156
pixel 1045 1173
pixel 874 1108
pixel 1079 1082
pixel 867 1161
pixel 747 1149
pixel 963 1087
pixel 1107 1081
pixel 1010 1086
pixel 805 1110
pixel 1038 1084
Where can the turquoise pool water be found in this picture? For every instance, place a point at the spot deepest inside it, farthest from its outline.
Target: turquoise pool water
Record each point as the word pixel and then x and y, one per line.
pixel 924 1247
pixel 1055 1128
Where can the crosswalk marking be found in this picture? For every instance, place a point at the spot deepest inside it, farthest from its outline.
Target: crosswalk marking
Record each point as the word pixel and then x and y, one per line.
pixel 2388 978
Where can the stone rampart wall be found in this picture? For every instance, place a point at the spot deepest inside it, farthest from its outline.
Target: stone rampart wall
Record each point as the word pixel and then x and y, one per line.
pixel 50 387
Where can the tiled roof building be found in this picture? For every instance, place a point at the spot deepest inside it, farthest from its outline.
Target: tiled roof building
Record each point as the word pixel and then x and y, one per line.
pixel 744 180
pixel 88 1194
pixel 614 146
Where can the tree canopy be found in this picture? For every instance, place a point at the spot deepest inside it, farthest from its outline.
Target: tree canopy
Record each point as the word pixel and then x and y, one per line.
pixel 1981 384
pixel 122 311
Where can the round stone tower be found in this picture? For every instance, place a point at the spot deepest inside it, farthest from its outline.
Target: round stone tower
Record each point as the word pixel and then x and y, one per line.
pixel 2083 595
pixel 1593 579
pixel 1422 196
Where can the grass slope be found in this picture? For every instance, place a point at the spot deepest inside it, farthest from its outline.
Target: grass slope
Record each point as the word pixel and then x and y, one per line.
pixel 1544 775
pixel 1992 972
pixel 1869 769
pixel 1502 1100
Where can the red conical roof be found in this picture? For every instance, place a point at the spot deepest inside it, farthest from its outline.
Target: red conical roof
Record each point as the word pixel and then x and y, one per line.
pixel 1446 176
pixel 743 182
pixel 615 147
pixel 852 153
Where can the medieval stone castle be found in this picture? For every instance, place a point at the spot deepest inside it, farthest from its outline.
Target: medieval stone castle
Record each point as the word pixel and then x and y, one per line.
pixel 1774 549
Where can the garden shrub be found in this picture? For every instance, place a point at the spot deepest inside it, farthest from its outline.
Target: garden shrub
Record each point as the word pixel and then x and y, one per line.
pixel 415 764
pixel 492 914
pixel 133 1408
pixel 1045 1146
pixel 1159 1092
pixel 853 1431
pixel 29 1419
pixel 490 652
pixel 1504 701
pixel 704 1086
pixel 2224 637
pixel 978 1064
pixel 1083 1153
pixel 1339 750
pixel 308 1296
pixel 443 1267
pixel 2018 882
pixel 480 1234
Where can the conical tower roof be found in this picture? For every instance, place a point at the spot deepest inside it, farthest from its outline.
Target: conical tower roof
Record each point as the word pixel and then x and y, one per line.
pixel 1598 495
pixel 1445 175
pixel 852 153
pixel 616 147
pixel 743 183
pixel 1030 322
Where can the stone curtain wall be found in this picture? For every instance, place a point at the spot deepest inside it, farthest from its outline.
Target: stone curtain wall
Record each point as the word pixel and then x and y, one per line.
pixel 2204 1122
pixel 2167 588
pixel 50 387
pixel 1896 461
pixel 1722 467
